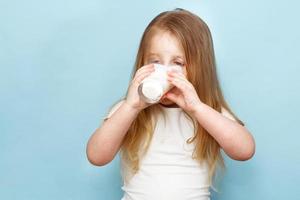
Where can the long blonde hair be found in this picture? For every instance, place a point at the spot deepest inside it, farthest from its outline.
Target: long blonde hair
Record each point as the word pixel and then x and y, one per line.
pixel 195 38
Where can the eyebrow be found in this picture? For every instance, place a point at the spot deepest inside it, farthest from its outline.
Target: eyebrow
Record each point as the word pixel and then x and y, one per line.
pixel 155 54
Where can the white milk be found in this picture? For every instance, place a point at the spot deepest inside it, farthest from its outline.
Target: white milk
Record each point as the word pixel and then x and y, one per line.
pixel 153 87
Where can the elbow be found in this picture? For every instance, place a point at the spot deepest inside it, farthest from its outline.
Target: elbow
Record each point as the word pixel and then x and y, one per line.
pixel 247 155
pixel 248 152
pixel 96 158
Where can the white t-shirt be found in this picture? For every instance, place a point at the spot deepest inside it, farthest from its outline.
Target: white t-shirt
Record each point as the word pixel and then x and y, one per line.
pixel 167 171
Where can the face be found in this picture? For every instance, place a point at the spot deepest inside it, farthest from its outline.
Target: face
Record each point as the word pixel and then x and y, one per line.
pixel 165 49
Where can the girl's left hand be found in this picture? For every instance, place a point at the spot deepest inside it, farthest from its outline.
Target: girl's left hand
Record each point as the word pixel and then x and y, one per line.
pixel 184 93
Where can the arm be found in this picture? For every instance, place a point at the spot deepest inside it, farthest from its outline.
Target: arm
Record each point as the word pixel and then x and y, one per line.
pixel 105 142
pixel 236 141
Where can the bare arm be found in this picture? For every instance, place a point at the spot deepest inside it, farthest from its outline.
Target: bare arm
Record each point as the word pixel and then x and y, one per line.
pixel 235 139
pixel 105 142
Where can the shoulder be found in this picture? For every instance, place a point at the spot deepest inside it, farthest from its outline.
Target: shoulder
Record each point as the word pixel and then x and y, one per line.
pixel 113 108
pixel 227 114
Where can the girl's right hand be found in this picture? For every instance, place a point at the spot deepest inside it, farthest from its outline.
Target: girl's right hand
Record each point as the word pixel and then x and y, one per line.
pixel 133 99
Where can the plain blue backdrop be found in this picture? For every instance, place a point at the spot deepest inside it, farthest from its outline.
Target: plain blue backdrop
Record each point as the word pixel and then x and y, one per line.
pixel 63 63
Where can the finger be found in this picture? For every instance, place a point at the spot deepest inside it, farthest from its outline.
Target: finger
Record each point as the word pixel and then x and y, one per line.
pixel 175 98
pixel 179 83
pixel 172 97
pixel 141 77
pixel 143 71
pixel 174 90
pixel 146 70
pixel 172 76
pixel 149 66
pixel 181 77
pixel 177 74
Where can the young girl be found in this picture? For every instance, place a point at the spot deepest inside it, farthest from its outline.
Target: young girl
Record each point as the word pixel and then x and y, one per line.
pixel 170 150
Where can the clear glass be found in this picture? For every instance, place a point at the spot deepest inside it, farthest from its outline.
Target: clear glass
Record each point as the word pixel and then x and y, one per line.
pixel 154 86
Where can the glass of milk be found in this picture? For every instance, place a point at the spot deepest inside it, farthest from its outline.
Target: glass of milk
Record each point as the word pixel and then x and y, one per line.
pixel 154 86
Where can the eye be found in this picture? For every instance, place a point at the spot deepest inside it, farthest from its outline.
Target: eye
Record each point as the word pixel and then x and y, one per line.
pixel 154 61
pixel 179 63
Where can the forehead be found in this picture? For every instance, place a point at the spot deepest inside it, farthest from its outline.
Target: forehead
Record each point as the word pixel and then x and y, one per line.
pixel 165 43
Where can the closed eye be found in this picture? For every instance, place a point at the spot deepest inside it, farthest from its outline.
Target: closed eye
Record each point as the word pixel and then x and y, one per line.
pixel 154 61
pixel 179 63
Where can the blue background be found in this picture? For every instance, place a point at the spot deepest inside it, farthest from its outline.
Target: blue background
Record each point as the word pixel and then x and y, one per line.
pixel 63 63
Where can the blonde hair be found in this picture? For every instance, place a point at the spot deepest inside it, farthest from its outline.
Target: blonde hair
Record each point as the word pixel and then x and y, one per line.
pixel 195 38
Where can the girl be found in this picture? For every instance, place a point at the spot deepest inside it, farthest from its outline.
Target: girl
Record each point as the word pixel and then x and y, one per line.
pixel 171 150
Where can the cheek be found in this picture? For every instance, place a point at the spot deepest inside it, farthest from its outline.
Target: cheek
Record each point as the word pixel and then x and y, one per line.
pixel 184 71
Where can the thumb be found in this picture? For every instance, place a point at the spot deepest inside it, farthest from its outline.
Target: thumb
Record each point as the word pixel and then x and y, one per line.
pixel 171 96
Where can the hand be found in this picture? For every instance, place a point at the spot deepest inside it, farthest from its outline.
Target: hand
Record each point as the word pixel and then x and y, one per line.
pixel 133 99
pixel 184 93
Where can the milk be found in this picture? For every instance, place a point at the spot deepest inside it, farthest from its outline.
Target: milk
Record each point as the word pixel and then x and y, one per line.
pixel 153 87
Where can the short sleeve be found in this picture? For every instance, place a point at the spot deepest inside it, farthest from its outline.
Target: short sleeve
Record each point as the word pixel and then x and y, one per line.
pixel 112 110
pixel 227 114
